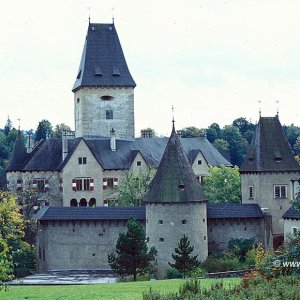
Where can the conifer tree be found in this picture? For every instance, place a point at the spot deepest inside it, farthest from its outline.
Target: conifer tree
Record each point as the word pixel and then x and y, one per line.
pixel 184 261
pixel 132 256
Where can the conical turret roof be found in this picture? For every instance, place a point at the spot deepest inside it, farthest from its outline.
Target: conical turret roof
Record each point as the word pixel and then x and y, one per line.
pixel 19 155
pixel 269 149
pixel 175 180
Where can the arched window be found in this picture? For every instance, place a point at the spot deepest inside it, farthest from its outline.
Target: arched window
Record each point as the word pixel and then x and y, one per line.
pixel 82 202
pixel 92 202
pixel 73 203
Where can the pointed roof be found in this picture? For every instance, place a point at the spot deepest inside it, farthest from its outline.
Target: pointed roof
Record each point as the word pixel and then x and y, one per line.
pixel 269 149
pixel 103 63
pixel 18 156
pixel 175 180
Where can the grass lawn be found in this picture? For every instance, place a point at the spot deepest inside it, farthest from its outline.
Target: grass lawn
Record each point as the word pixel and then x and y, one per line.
pixel 118 291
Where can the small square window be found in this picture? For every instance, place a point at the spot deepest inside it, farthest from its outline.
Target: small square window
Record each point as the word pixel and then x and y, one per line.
pixel 161 240
pixel 160 221
pixel 204 238
pixel 109 114
pixel 199 162
pixel 184 221
pixel 138 163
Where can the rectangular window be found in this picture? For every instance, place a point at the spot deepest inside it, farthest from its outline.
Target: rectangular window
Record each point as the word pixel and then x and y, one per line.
pixel 41 185
pixel 109 114
pixel 109 183
pixel 83 184
pixel 138 163
pixel 250 192
pixel 280 191
pixel 82 160
pixel 199 162
pixel 19 185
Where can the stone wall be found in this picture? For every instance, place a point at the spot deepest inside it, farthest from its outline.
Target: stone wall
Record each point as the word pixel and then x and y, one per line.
pixel 221 231
pixel 52 195
pixel 167 223
pixel 90 112
pixel 81 245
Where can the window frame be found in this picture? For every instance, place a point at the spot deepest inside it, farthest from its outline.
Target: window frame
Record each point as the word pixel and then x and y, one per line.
pixel 280 191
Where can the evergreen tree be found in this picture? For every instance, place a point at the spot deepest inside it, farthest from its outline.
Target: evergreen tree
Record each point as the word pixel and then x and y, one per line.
pixel 7 127
pixel 132 256
pixel 184 261
pixel 44 129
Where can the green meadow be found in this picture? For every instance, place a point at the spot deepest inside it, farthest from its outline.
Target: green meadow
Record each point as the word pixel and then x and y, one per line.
pixel 117 291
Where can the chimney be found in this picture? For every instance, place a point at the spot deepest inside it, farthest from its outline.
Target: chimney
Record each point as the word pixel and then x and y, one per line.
pixel 66 135
pixel 113 142
pixel 29 143
pixel 146 133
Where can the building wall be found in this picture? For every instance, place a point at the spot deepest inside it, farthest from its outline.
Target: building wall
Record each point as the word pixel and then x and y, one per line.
pixel 221 231
pixel 289 225
pixel 53 195
pixel 263 194
pixel 90 112
pixel 202 169
pixel 77 245
pixel 73 170
pixel 165 228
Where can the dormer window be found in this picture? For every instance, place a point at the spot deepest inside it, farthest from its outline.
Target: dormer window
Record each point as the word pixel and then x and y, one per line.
pixel 278 156
pixel 199 162
pixel 98 71
pixel 116 72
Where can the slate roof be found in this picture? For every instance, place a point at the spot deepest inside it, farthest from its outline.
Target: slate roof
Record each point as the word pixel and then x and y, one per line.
pixel 91 213
pixel 230 210
pixel 47 155
pixel 175 180
pixel 103 63
pixel 214 211
pixel 292 213
pixel 269 149
pixel 18 156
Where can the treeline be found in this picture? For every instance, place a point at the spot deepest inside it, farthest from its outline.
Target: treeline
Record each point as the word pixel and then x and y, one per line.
pixel 237 137
pixel 8 136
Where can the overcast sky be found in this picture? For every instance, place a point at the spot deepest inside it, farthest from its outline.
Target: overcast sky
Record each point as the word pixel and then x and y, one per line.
pixel 213 60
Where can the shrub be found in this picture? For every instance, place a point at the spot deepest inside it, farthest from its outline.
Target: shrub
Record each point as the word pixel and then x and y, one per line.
pixel 173 273
pixel 240 247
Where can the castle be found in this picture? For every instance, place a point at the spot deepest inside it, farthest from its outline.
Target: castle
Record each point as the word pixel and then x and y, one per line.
pixel 76 176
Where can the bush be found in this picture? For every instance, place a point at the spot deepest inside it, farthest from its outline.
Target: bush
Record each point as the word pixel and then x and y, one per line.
pixel 221 263
pixel 240 247
pixel 173 274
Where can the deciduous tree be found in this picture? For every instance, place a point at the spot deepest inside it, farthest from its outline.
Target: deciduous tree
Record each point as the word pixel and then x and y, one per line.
pixel 223 185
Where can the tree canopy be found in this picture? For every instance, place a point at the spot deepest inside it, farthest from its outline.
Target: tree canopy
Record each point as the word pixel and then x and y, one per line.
pixel 132 256
pixel 223 185
pixel 44 130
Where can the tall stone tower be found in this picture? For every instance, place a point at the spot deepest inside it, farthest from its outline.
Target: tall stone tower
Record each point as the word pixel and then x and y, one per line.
pixel 104 88
pixel 175 205
pixel 267 172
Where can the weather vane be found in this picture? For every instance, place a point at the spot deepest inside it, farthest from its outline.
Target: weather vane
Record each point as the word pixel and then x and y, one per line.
pixel 277 102
pixel 112 14
pixel 19 120
pixel 259 102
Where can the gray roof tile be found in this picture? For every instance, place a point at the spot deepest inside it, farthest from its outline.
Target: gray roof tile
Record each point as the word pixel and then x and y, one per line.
pixel 269 149
pixel 292 213
pixel 103 63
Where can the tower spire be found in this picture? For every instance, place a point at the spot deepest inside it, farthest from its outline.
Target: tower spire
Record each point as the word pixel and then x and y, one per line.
pixel 277 102
pixel 173 120
pixel 259 103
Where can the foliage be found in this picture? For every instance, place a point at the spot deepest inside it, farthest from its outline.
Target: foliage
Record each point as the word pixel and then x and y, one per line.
pixel 238 145
pixel 184 261
pixel 43 131
pixel 132 256
pixel 297 146
pixel 223 185
pixel 59 128
pixel 173 273
pixel 8 127
pixel 257 288
pixel 221 144
pixel 190 132
pixel 11 232
pixel 222 262
pixel 133 187
pixel 240 247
